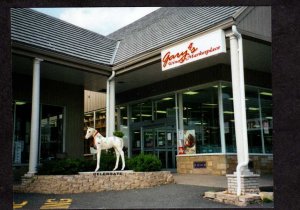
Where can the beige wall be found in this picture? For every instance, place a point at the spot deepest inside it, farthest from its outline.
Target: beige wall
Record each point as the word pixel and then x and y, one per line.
pixel 94 100
pixel 223 164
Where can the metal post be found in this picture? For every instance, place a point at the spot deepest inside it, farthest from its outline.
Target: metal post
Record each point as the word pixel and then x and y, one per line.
pixel 129 131
pixel 180 122
pixel 261 124
pixel 35 111
pixel 221 119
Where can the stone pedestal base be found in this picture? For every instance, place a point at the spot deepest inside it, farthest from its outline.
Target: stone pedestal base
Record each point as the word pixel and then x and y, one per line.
pixel 249 183
pixel 225 197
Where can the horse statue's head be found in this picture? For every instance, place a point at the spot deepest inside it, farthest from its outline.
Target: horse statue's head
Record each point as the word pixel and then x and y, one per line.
pixel 89 132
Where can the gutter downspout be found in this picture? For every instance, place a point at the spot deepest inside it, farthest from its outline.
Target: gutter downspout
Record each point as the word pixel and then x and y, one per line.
pixel 107 102
pixel 108 91
pixel 244 127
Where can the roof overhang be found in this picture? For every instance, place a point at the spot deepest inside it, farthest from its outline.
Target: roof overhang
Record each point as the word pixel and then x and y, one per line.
pixel 60 58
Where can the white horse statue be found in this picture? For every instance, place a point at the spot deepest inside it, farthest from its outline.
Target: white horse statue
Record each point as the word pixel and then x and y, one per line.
pixel 102 143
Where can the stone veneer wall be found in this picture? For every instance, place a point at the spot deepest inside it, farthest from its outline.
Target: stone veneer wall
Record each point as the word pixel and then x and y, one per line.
pixel 261 164
pixel 223 164
pixel 215 164
pixel 63 184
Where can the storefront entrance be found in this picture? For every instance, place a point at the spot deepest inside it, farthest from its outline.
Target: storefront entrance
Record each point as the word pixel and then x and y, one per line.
pixel 161 141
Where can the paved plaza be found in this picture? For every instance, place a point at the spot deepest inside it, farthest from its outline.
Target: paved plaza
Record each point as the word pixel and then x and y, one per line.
pixel 186 193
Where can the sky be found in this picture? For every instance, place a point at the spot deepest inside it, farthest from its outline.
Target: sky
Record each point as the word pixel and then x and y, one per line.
pixel 104 20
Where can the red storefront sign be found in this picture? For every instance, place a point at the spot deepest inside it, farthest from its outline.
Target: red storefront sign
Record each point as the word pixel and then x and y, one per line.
pixel 193 50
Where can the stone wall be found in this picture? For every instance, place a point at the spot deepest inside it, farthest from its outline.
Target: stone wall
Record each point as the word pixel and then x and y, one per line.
pixel 215 164
pixel 63 184
pixel 259 164
pixel 223 164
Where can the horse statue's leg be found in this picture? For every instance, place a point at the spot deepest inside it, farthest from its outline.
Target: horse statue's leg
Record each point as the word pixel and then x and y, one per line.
pixel 123 160
pixel 98 159
pixel 117 161
pixel 121 152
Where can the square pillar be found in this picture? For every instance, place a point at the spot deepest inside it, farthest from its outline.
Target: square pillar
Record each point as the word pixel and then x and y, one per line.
pixel 249 183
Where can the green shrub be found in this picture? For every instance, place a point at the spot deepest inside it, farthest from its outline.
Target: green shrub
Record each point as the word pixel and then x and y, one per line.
pixel 118 134
pixel 144 163
pixel 73 166
pixel 266 200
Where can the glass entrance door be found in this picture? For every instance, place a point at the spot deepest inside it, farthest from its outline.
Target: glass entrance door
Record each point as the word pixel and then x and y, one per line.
pixel 161 141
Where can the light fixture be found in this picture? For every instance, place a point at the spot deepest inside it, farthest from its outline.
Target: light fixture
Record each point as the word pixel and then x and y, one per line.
pixel 199 123
pixel 161 112
pixel 269 118
pixel 216 86
pixel 191 92
pixel 122 107
pixel 208 104
pixel 228 112
pixel 187 108
pixel 20 102
pixel 265 93
pixel 144 115
pixel 253 108
pixel 167 99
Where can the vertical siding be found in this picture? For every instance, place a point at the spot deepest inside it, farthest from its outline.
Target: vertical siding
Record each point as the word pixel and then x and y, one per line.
pixel 258 22
pixel 58 94
pixel 94 100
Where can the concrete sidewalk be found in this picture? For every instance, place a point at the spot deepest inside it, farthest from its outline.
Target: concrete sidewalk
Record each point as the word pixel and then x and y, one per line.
pixel 214 181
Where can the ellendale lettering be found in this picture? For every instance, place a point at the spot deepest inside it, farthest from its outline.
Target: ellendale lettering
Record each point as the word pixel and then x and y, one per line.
pixel 190 52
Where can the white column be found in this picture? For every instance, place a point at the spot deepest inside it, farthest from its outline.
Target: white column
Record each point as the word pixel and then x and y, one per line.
pixel 111 107
pixel 35 111
pixel 107 110
pixel 238 102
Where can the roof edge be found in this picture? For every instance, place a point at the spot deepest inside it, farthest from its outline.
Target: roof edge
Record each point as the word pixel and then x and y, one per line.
pixel 112 60
pixel 65 22
pixel 123 66
pixel 61 58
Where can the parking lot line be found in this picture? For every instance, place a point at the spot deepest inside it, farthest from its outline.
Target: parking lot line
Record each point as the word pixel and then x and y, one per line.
pixel 19 205
pixel 57 204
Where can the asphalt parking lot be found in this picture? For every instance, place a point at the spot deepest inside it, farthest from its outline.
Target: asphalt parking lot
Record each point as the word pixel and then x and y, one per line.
pixel 166 196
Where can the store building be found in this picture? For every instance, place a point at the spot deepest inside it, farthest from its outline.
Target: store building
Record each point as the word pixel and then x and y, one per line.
pixel 184 114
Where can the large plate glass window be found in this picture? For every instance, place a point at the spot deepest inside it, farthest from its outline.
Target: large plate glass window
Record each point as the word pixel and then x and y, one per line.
pixel 201 115
pixel 259 119
pixel 51 131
